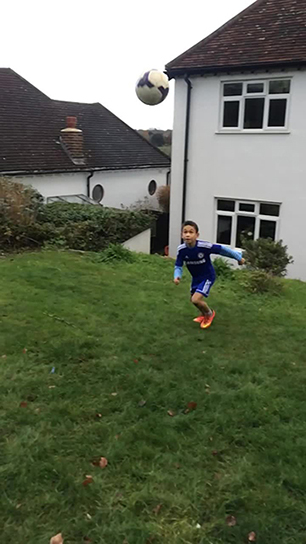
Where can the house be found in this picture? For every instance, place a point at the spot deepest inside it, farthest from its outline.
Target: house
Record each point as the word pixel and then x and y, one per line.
pixel 238 150
pixel 74 151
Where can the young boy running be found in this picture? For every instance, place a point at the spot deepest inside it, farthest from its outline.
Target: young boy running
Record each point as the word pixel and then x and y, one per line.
pixel 196 254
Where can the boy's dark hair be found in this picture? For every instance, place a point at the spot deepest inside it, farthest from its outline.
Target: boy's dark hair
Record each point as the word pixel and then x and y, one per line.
pixel 190 224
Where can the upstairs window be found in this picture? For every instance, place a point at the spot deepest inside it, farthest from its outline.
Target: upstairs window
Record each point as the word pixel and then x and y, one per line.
pixel 255 105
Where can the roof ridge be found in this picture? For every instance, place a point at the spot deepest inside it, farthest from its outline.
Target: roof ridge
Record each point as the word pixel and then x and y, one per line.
pixel 75 103
pixel 136 132
pixel 25 81
pixel 208 38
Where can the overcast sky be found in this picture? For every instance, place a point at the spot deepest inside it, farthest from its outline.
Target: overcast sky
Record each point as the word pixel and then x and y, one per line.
pixel 94 50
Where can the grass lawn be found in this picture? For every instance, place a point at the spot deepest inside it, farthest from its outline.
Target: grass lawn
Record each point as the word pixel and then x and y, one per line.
pixel 123 345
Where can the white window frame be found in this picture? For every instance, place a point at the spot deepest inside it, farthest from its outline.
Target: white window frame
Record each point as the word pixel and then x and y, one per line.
pixel 258 217
pixel 241 99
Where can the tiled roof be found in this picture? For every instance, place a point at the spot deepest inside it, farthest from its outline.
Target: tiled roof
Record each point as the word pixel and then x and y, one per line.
pixel 267 33
pixel 30 130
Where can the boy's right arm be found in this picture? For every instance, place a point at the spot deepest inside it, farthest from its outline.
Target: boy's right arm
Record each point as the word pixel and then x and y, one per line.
pixel 178 268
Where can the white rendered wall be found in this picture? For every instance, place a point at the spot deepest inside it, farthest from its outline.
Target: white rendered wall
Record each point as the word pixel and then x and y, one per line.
pixel 141 243
pixel 262 167
pixel 121 188
pixel 124 188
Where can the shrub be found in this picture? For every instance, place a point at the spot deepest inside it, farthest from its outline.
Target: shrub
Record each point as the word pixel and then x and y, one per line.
pixel 116 252
pixel 18 236
pixel 267 255
pixel 223 268
pixel 18 203
pixel 163 197
pixel 260 282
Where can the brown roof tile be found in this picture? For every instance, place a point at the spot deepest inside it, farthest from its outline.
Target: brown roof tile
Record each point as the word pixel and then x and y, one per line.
pixel 267 33
pixel 30 131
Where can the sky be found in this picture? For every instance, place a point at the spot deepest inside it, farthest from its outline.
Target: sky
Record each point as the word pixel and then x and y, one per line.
pixel 94 51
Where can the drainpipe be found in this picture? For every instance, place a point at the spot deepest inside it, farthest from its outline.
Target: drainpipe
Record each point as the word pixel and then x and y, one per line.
pixel 88 183
pixel 187 124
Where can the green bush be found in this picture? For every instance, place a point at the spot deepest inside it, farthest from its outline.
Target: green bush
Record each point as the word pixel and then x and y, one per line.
pixel 17 236
pixel 267 255
pixel 260 282
pixel 223 269
pixel 19 204
pixel 116 252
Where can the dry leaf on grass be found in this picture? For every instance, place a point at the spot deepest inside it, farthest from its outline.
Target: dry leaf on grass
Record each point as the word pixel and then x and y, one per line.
pixel 98 415
pixel 23 404
pixel 57 539
pixel 231 521
pixel 170 413
pixel 157 509
pixel 88 480
pixel 3 357
pixel 114 394
pixel 192 405
pixel 103 462
pixel 142 403
pixel 24 350
pixel 252 537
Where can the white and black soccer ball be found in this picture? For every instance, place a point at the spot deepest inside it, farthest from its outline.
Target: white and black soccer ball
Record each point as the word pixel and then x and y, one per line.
pixel 152 87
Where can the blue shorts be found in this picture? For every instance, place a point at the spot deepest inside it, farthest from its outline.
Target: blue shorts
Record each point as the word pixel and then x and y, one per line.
pixel 202 286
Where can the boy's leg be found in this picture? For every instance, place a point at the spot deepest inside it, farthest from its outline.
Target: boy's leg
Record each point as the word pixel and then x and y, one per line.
pixel 198 300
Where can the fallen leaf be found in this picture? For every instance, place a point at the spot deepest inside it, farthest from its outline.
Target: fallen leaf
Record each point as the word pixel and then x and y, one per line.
pixel 252 537
pixel 136 361
pixel 207 391
pixel 88 480
pixel 24 350
pixel 87 539
pixel 217 476
pixel 114 394
pixel 3 357
pixel 215 453
pixel 98 415
pixel 206 385
pixel 52 386
pixel 18 506
pixel 23 404
pixel 198 526
pixel 57 539
pixel 192 405
pixel 231 521
pixel 103 462
pixel 142 403
pixel 88 516
pixel 170 413
pixel 157 509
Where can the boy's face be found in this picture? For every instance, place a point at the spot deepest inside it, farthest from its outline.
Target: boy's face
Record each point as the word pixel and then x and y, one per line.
pixel 189 235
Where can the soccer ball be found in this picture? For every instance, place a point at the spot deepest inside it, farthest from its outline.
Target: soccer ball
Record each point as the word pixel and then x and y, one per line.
pixel 152 87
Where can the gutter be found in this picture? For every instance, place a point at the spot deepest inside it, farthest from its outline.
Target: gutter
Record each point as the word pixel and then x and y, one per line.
pixel 79 170
pixel 187 125
pixel 229 68
pixel 88 183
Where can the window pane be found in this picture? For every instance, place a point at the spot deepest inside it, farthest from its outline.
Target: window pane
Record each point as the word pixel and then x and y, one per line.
pixel 243 207
pixel 277 113
pixel 255 88
pixel 279 87
pixel 267 229
pixel 224 230
pixel 231 114
pixel 226 205
pixel 253 114
pixel 269 209
pixel 245 227
pixel 232 89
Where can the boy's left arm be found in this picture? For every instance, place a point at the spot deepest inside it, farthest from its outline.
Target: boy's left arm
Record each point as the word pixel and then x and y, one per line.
pixel 225 251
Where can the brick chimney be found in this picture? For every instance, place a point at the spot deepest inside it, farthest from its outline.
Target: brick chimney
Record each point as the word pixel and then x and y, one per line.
pixel 71 139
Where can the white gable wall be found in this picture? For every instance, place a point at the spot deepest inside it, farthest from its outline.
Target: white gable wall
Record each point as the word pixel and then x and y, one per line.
pixel 121 188
pixel 262 166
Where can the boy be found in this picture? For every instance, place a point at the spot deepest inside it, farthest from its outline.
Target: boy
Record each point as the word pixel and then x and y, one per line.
pixel 196 254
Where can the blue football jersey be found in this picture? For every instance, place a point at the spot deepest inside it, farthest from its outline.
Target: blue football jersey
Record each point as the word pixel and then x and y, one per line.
pixel 197 258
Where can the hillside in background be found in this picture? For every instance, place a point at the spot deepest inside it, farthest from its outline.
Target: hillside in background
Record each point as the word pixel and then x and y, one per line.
pixel 159 138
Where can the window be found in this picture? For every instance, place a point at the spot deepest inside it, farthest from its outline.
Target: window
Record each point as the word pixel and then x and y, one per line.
pixel 152 187
pixel 98 193
pixel 252 220
pixel 255 105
